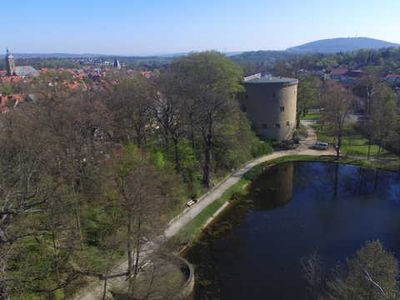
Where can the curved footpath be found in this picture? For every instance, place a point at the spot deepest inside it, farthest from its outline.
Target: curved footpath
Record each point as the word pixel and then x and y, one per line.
pixel 95 290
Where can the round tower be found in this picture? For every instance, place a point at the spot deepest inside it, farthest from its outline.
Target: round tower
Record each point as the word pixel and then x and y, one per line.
pixel 270 104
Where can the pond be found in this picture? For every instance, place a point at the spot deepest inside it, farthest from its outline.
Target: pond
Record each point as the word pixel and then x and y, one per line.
pixel 294 209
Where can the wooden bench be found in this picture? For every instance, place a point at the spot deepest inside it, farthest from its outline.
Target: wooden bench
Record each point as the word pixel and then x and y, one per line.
pixel 191 202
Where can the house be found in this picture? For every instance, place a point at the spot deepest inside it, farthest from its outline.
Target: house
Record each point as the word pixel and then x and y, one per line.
pixel 393 79
pixel 346 75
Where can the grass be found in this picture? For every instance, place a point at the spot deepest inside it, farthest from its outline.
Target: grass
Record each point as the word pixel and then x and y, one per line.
pixel 353 144
pixel 311 116
pixel 194 228
pixel 388 165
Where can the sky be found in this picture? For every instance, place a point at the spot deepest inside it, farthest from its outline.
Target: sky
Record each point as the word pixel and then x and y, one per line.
pixel 145 27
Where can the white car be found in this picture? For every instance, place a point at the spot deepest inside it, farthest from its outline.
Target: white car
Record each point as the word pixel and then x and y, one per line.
pixel 320 146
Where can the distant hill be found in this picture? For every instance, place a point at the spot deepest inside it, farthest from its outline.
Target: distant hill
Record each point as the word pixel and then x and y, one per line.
pixel 264 55
pixel 341 45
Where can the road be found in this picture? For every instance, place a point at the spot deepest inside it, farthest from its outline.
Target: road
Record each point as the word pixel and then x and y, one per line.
pixel 95 290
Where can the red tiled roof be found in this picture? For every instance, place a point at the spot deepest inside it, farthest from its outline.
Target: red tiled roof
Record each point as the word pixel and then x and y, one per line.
pixel 393 76
pixel 339 71
pixel 5 100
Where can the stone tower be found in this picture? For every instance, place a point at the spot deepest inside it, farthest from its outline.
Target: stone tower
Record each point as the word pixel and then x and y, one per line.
pixel 116 64
pixel 270 104
pixel 10 63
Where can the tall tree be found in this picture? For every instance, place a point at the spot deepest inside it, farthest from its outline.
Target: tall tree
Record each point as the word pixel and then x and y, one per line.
pixel 209 82
pixel 131 101
pixel 383 118
pixel 307 96
pixel 337 102
pixel 169 110
pixel 140 196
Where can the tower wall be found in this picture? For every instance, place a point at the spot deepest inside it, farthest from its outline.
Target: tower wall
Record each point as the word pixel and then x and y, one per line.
pixel 271 108
pixel 10 64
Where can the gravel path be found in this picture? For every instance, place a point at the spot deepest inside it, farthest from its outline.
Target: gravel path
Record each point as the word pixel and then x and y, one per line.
pixel 95 290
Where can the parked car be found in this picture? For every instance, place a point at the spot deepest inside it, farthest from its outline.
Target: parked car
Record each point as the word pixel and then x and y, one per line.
pixel 320 146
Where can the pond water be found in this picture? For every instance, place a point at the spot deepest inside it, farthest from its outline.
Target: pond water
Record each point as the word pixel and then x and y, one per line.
pixel 294 209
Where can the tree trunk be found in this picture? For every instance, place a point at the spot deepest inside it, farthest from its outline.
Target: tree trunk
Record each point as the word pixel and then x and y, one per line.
pixel 3 293
pixel 379 151
pixel 130 246
pixel 176 153
pixel 77 216
pixel 105 289
pixel 207 161
pixel 137 254
pixel 78 225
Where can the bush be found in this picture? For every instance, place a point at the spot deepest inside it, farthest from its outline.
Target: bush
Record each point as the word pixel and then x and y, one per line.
pixel 261 148
pixel 284 145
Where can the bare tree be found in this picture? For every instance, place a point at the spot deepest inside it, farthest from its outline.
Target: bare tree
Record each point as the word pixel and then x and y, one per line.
pixel 170 110
pixel 131 102
pixel 337 103
pixel 139 195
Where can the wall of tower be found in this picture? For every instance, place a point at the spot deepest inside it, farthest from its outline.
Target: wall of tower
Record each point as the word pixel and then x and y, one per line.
pixel 271 108
pixel 10 65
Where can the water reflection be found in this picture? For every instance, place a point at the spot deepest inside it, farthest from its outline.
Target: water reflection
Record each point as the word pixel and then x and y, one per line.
pixel 274 187
pixel 293 209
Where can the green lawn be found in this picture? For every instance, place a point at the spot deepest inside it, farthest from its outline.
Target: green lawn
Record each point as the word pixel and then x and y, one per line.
pixel 353 145
pixel 311 116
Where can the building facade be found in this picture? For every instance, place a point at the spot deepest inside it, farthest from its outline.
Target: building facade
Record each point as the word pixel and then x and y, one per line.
pixel 270 104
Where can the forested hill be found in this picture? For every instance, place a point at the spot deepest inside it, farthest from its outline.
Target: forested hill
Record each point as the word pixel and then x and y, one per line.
pixel 341 45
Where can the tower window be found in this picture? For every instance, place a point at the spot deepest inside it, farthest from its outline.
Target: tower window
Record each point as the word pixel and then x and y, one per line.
pixel 277 125
pixel 282 108
pixel 287 123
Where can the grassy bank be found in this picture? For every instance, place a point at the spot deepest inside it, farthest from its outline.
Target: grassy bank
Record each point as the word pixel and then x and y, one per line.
pixel 194 228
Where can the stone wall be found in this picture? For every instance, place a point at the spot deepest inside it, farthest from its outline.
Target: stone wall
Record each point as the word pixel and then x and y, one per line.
pixel 271 108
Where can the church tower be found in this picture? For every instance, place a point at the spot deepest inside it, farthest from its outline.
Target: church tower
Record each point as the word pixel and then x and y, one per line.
pixel 10 64
pixel 116 64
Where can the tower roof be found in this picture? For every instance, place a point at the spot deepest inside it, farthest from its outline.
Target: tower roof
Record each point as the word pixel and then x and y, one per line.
pixel 8 54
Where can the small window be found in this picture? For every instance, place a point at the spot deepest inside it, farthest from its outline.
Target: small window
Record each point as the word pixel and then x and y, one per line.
pixel 246 96
pixel 287 123
pixel 278 125
pixel 282 108
pixel 244 108
pixel 264 126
